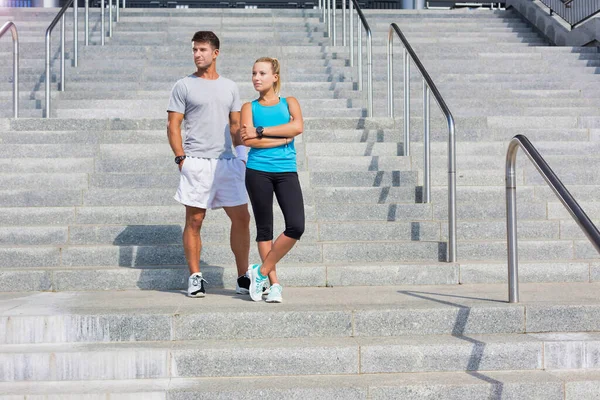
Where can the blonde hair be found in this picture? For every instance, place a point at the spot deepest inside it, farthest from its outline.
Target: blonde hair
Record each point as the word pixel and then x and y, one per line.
pixel 276 68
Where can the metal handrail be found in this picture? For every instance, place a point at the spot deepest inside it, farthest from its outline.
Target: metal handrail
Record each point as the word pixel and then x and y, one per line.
pixel 329 18
pixel 557 187
pixel 428 86
pixel 102 18
pixel 362 20
pixel 573 12
pixel 60 17
pixel 15 37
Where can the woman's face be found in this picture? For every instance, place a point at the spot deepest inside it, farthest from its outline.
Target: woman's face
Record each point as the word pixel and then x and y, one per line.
pixel 263 77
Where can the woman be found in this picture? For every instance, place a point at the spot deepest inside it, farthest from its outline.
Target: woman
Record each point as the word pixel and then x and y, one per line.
pixel 269 125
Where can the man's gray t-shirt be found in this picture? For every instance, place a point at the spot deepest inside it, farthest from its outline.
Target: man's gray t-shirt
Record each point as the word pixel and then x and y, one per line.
pixel 206 105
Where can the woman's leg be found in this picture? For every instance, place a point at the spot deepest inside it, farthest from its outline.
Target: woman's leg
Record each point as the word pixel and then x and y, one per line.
pixel 260 191
pixel 263 249
pixel 289 196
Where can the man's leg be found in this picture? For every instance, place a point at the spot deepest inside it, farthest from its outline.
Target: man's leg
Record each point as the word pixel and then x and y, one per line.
pixel 192 243
pixel 240 235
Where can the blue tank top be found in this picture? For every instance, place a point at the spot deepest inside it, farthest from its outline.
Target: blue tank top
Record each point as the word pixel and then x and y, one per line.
pixel 276 159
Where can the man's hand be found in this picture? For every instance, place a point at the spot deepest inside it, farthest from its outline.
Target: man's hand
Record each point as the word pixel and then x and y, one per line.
pixel 248 133
pixel 180 165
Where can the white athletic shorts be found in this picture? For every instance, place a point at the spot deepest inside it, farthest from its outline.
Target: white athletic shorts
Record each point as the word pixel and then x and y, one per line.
pixel 212 183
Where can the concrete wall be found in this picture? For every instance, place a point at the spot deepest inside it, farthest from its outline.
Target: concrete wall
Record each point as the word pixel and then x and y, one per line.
pixel 553 27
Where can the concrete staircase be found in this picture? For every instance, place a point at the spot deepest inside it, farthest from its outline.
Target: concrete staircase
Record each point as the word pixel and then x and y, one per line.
pixel 87 217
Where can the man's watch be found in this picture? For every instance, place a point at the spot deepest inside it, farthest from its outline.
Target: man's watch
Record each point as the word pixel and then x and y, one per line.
pixel 179 159
pixel 259 131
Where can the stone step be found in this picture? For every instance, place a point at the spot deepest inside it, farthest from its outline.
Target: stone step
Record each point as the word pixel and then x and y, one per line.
pixel 561 164
pixel 496 149
pixel 466 107
pixel 298 275
pixel 535 385
pixel 398 311
pixel 83 76
pixel 220 254
pixel 321 130
pixel 470 135
pixel 502 92
pixel 56 124
pixel 384 220
pixel 311 356
pixel 151 113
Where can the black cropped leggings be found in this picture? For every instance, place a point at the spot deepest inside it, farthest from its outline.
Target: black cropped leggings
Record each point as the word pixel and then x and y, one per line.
pixel 261 186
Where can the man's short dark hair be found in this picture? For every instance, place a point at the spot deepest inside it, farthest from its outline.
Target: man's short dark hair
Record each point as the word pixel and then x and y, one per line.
pixel 207 37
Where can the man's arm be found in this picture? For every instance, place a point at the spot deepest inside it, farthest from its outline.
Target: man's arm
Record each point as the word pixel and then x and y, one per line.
pixel 234 128
pixel 174 134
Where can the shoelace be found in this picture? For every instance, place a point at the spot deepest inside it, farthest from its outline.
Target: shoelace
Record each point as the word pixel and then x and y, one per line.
pixel 260 285
pixel 197 280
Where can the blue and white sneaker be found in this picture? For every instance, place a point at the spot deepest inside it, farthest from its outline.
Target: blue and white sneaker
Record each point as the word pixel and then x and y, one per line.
pixel 257 283
pixel 275 294
pixel 243 285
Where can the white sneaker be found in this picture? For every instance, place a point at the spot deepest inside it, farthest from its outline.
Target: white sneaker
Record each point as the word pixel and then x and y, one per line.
pixel 196 285
pixel 257 283
pixel 243 285
pixel 275 294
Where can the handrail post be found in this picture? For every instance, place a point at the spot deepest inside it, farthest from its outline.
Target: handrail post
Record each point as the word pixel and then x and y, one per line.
pixel 110 18
pixel 369 74
pixel 362 23
pixel 390 74
pixel 75 34
pixel 15 39
pixel 117 10
pixel 325 9
pixel 102 26
pixel 329 26
pixel 426 146
pixel 62 53
pixel 47 103
pixel 511 223
pixel 406 104
pixel 326 16
pixel 351 22
pixel 452 247
pixel 359 52
pixel 15 72
pixel 344 38
pixel 333 23
pixel 87 22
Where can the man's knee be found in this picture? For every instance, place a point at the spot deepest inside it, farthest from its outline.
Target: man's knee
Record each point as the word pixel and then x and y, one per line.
pixel 239 215
pixel 194 220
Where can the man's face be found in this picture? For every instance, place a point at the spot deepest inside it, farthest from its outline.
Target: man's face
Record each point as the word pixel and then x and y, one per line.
pixel 204 54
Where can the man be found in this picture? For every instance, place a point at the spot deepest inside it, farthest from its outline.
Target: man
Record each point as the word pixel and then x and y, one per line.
pixel 211 176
